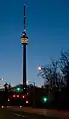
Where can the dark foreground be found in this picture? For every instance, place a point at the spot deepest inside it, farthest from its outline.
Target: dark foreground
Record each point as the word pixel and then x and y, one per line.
pixel 7 114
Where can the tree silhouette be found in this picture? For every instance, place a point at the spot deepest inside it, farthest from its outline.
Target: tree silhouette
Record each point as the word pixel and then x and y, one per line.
pixel 6 93
pixel 64 66
pixel 51 75
pixel 6 87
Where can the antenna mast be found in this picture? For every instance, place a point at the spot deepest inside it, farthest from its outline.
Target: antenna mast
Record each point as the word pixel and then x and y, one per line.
pixel 24 15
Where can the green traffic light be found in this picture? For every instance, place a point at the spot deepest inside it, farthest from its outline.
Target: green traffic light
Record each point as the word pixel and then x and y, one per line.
pixel 18 89
pixel 45 99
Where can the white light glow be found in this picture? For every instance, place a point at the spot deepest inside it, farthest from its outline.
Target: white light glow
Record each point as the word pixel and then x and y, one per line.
pixel 39 67
pixel 2 106
pixel 20 106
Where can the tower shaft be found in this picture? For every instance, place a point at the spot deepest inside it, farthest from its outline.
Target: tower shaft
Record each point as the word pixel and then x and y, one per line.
pixel 24 64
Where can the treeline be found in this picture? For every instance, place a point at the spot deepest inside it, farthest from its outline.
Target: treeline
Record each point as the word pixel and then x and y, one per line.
pixel 56 79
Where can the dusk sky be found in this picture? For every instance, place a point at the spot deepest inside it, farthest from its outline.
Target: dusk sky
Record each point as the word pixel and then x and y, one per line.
pixel 48 34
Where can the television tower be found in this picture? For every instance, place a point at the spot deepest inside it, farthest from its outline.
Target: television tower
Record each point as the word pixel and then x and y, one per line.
pixel 24 41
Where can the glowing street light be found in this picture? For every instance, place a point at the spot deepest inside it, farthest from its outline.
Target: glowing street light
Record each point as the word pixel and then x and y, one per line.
pixel 1 79
pixel 39 67
pixel 27 82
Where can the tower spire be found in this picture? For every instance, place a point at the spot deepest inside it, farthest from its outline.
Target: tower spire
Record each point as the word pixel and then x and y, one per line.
pixel 24 16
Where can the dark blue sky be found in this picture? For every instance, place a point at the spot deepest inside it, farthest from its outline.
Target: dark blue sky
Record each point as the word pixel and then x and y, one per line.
pixel 47 29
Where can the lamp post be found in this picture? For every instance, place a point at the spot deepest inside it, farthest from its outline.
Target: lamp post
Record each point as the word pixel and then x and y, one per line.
pixel 33 90
pixel 40 68
pixel 1 86
pixel 30 82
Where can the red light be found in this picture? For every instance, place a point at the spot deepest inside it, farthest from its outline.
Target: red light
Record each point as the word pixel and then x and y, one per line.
pixel 17 96
pixel 27 102
pixel 14 96
pixel 8 100
pixel 23 96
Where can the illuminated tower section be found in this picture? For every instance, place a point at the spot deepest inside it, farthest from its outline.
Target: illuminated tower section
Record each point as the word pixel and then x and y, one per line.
pixel 24 41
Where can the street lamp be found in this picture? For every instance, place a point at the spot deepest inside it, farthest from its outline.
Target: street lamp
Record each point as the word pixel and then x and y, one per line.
pixel 43 70
pixel 40 68
pixel 33 90
pixel 1 79
pixel 27 82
